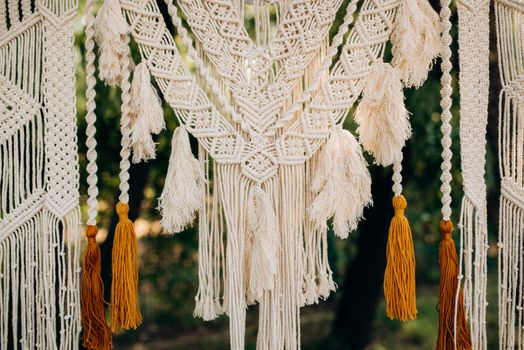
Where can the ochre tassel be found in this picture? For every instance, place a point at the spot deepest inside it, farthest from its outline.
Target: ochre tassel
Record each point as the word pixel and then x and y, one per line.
pixel 399 279
pixel 448 265
pixel 125 312
pixel 96 331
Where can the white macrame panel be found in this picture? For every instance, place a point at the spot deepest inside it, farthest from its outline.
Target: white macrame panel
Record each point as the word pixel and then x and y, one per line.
pixel 473 18
pixel 260 110
pixel 39 214
pixel 510 42
pixel 303 132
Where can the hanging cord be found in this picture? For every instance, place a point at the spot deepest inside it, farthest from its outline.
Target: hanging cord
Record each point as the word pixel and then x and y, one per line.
pixel 96 329
pixel 453 332
pixel 125 311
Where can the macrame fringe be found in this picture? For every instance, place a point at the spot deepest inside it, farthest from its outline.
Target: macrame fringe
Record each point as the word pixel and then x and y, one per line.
pixel 110 31
pixel 125 311
pixel 96 330
pixel 453 330
pixel 182 194
pixel 399 279
pixel 416 41
pixel 383 121
pixel 147 114
pixel 208 301
pixel 342 182
pixel 263 226
pixel 473 266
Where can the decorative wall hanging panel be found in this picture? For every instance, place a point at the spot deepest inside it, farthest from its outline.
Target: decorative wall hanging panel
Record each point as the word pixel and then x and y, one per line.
pixel 39 214
pixel 473 18
pixel 510 42
pixel 274 163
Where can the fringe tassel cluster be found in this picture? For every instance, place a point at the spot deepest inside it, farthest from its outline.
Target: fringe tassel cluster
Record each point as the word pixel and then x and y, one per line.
pixel 383 121
pixel 263 227
pixel 147 115
pixel 416 41
pixel 342 183
pixel 181 197
pixel 111 30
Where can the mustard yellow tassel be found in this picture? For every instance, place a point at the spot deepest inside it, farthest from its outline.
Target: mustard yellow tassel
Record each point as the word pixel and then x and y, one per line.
pixel 448 265
pixel 125 312
pixel 96 331
pixel 399 279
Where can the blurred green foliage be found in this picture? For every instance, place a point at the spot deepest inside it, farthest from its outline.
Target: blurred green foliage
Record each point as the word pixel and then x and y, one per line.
pixel 168 264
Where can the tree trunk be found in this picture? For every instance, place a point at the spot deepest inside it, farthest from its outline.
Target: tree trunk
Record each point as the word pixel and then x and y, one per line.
pixel 362 286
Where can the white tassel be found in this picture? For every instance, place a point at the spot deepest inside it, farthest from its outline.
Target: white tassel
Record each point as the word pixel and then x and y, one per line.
pixel 148 117
pixel 416 41
pixel 263 226
pixel 383 121
pixel 182 194
pixel 325 286
pixel 111 35
pixel 342 182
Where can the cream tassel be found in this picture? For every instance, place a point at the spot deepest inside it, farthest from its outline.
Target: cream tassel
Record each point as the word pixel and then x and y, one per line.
pixel 263 225
pixel 342 182
pixel 110 31
pixel 147 114
pixel 383 121
pixel 181 197
pixel 416 41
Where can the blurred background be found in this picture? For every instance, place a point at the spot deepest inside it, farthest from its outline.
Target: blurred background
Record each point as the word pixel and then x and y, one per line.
pixel 353 317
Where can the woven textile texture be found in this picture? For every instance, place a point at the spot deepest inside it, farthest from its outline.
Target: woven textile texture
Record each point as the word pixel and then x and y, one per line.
pixel 39 214
pixel 473 18
pixel 510 41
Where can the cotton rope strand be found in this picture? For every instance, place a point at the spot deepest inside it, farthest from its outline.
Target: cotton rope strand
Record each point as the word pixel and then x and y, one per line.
pixel 96 330
pixel 124 308
pixel 453 332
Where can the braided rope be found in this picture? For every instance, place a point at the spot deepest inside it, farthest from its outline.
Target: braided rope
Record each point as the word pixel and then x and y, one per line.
pixel 92 168
pixel 125 128
pixel 397 178
pixel 445 103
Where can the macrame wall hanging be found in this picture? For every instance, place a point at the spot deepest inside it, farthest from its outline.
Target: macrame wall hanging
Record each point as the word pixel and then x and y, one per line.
pixel 274 162
pixel 510 43
pixel 473 29
pixel 39 214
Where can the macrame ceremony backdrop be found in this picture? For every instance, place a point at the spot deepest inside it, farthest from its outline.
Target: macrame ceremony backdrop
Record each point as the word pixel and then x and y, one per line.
pixel 274 163
pixel 39 215
pixel 510 42
pixel 473 29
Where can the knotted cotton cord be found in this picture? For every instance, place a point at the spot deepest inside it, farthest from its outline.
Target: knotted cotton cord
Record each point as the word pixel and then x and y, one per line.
pixel 92 178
